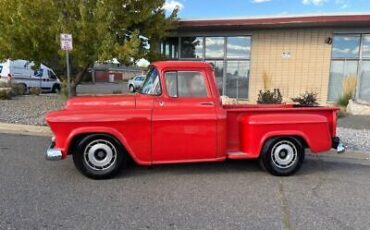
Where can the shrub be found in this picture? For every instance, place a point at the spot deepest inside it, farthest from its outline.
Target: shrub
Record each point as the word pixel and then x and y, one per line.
pixel 308 98
pixel 270 97
pixel 5 93
pixel 35 91
pixel 18 89
pixel 349 86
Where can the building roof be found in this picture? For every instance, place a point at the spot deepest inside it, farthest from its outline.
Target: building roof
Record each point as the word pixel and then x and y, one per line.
pixel 328 20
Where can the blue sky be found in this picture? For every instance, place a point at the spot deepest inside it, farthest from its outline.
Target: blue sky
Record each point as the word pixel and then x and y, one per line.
pixel 247 8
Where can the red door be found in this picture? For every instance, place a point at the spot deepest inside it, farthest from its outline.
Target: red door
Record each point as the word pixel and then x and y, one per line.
pixel 183 129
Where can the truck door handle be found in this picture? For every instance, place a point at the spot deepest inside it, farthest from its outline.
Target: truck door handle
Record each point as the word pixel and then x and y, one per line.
pixel 207 103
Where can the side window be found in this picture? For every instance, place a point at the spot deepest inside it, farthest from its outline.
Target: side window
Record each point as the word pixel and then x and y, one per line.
pixel 186 84
pixel 152 85
pixel 1 68
pixel 39 73
pixel 52 75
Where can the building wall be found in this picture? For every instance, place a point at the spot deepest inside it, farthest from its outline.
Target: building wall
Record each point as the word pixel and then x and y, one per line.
pixel 295 60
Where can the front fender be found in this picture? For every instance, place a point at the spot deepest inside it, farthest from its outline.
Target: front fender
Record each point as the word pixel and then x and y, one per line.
pixel 106 130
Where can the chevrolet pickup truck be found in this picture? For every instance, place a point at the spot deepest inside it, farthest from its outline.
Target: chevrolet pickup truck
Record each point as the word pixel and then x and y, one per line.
pixel 178 117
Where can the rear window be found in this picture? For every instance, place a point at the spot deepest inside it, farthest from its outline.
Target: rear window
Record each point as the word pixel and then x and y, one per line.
pixel 1 68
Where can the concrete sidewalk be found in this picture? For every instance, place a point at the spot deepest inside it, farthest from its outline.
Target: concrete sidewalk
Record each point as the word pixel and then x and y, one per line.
pixel 25 129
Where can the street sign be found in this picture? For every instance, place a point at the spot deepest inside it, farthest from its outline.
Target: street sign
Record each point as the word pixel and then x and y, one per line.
pixel 66 42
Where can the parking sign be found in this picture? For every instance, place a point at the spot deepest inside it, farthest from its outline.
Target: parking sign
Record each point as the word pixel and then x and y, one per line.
pixel 66 42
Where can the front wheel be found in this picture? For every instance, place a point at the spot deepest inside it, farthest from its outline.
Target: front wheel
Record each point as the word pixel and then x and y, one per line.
pixel 99 156
pixel 132 89
pixel 282 156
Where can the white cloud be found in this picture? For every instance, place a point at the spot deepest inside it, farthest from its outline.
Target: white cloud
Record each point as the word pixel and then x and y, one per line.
pixel 170 5
pixel 314 2
pixel 260 1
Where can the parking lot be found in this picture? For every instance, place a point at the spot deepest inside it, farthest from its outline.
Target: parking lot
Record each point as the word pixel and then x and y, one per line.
pixel 36 194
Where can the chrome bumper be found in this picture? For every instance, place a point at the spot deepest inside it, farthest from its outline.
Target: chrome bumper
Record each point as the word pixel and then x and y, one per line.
pixel 338 145
pixel 53 154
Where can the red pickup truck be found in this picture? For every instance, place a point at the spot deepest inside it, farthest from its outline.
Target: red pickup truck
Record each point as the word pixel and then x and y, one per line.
pixel 178 117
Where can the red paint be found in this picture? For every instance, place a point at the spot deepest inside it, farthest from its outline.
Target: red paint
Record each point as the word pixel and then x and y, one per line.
pixel 161 129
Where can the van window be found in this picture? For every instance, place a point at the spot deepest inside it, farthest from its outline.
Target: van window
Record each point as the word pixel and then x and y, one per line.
pixel 39 73
pixel 1 68
pixel 52 75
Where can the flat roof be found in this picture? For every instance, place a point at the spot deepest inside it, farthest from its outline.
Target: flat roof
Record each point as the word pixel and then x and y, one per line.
pixel 327 20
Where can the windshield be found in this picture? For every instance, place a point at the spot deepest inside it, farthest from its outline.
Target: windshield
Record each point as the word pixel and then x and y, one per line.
pixel 151 85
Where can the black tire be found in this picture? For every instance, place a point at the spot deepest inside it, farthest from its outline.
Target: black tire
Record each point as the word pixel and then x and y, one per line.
pixel 282 156
pixel 131 88
pixel 94 150
pixel 56 88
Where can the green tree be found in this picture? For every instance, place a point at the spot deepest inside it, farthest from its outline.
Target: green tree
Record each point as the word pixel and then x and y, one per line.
pixel 101 29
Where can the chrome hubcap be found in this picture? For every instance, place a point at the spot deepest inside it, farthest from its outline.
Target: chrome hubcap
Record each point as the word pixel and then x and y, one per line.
pixel 284 154
pixel 100 154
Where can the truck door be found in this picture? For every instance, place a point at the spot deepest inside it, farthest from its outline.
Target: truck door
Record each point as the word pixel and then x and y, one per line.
pixel 184 119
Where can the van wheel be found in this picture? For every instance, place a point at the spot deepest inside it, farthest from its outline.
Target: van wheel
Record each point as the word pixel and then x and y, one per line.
pixel 56 88
pixel 99 156
pixel 131 88
pixel 282 156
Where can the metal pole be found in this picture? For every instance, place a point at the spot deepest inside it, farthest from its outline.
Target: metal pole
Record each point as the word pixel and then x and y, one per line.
pixel 68 75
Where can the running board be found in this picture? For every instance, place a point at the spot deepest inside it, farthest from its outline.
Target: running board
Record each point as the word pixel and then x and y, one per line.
pixel 239 155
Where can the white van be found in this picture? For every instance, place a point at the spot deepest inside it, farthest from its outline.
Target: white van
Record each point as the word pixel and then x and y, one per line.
pixel 20 71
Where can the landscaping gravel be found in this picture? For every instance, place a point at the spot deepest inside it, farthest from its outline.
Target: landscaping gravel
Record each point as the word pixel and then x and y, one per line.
pixel 29 109
pixel 355 139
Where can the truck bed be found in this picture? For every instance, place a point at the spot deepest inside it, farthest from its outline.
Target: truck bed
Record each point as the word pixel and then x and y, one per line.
pixel 237 113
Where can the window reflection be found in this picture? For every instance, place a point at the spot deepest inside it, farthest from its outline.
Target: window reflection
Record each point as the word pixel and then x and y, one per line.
pixel 218 67
pixel 169 48
pixel 192 47
pixel 366 46
pixel 237 75
pixel 215 47
pixel 364 92
pixel 238 47
pixel 346 46
pixel 338 72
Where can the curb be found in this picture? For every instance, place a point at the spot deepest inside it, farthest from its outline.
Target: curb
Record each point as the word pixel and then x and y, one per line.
pixel 31 130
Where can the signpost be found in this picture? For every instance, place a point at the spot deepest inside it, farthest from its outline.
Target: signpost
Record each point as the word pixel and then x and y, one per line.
pixel 67 45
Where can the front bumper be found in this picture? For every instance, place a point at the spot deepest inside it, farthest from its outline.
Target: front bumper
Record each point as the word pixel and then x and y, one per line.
pixel 52 153
pixel 338 145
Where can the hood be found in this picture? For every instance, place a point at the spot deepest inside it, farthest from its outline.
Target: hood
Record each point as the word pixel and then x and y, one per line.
pixel 101 102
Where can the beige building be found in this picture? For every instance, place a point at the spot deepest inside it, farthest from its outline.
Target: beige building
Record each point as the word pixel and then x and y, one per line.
pixel 294 54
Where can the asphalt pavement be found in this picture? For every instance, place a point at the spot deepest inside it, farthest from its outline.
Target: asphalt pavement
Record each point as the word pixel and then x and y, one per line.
pixel 37 194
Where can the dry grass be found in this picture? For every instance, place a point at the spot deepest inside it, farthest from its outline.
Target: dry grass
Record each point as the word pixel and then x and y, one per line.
pixel 267 81
pixel 349 85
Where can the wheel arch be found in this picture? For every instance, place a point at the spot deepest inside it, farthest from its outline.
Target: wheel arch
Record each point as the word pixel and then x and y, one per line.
pixel 79 134
pixel 299 136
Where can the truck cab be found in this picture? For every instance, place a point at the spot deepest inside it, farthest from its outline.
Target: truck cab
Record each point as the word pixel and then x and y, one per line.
pixel 178 117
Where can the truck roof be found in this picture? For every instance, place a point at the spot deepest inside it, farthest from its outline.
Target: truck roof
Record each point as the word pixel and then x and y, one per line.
pixel 183 64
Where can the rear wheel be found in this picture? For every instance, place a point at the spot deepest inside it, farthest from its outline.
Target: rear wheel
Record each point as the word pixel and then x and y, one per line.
pixel 99 156
pixel 282 156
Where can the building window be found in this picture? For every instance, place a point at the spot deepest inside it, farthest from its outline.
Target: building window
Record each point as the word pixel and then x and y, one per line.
pixel 239 47
pixel 215 47
pixel 170 47
pixel 230 57
pixel 350 58
pixel 192 47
